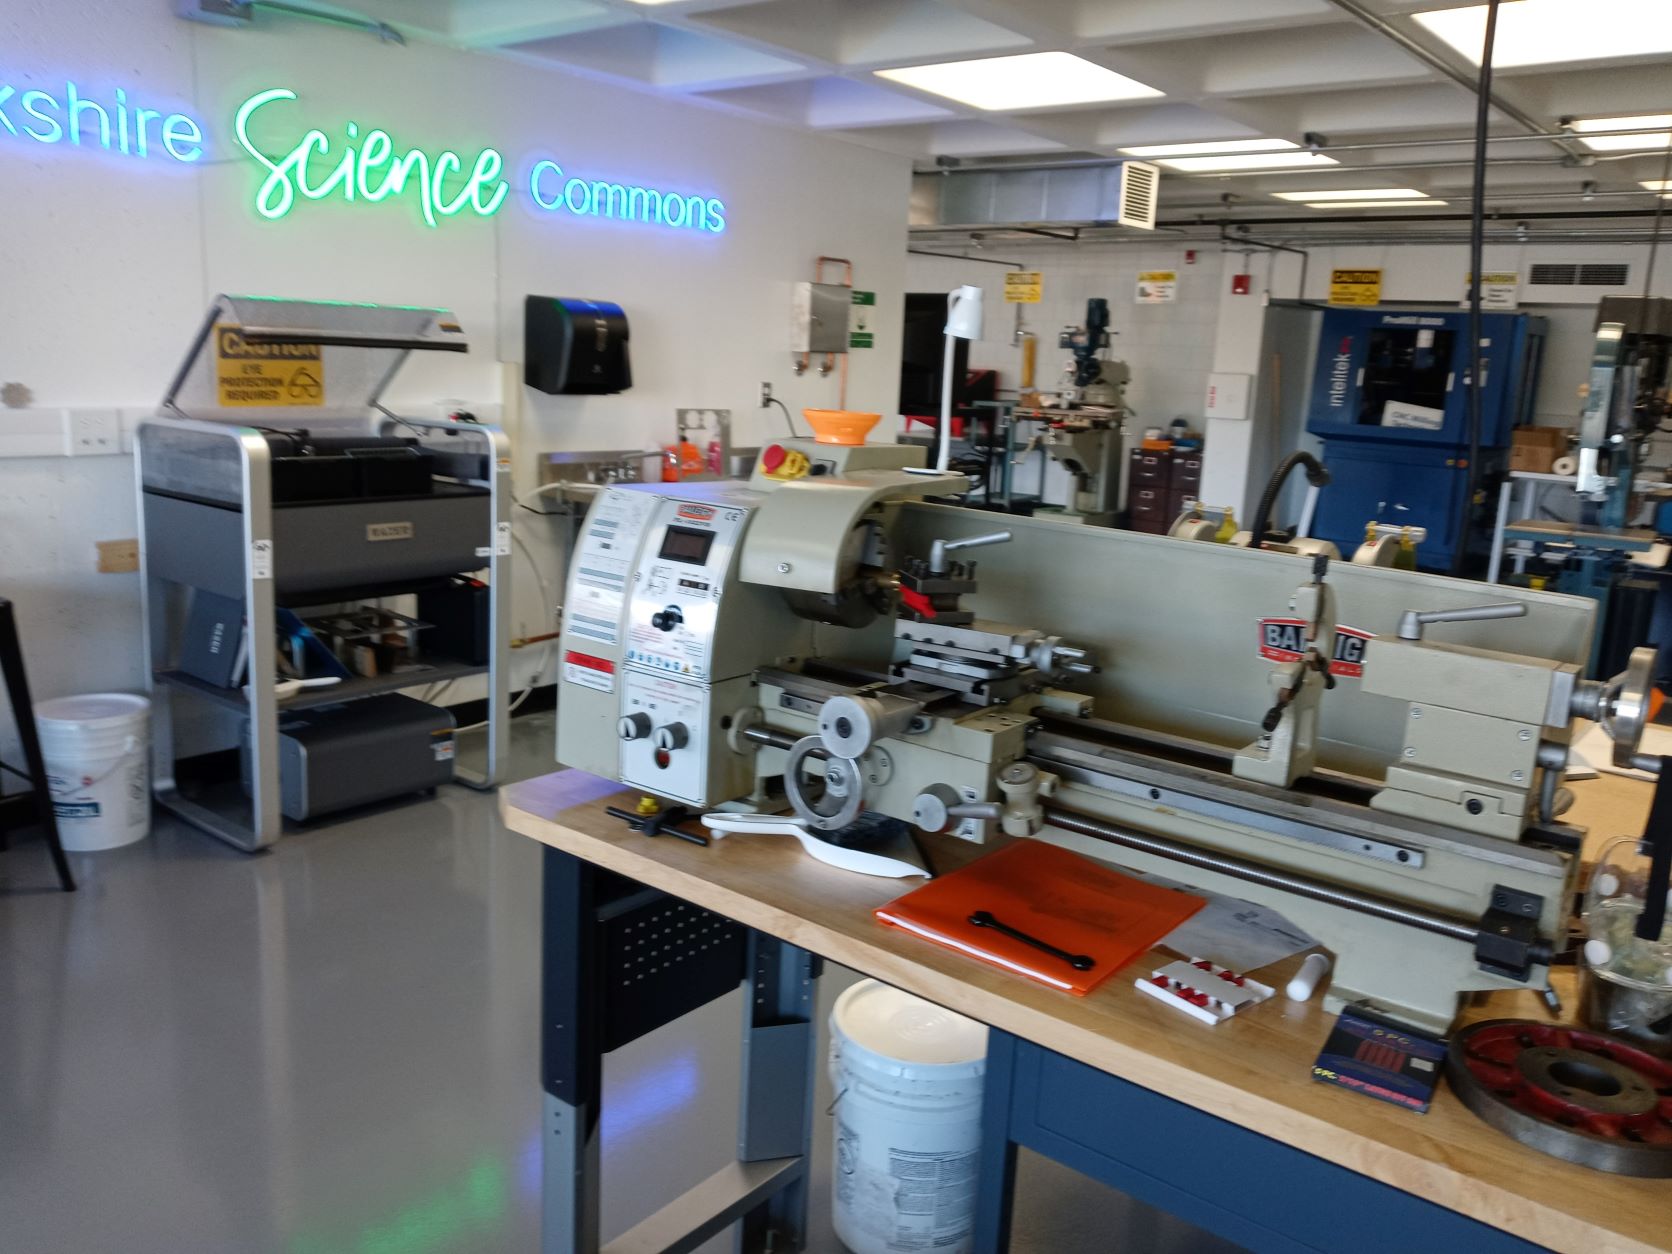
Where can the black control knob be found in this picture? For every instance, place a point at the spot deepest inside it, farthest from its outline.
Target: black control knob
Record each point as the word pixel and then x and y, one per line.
pixel 668 619
pixel 671 736
pixel 635 726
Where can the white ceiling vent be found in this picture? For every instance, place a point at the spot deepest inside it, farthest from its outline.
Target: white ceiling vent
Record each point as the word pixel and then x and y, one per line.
pixel 1138 184
pixel 1575 282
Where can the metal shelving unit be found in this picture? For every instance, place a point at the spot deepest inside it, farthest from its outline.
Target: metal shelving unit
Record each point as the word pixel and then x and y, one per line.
pixel 208 521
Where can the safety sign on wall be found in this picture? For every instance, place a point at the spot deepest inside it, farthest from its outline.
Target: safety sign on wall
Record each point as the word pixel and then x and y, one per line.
pixel 861 332
pixel 265 376
pixel 1158 287
pixel 1498 290
pixel 1023 287
pixel 1355 287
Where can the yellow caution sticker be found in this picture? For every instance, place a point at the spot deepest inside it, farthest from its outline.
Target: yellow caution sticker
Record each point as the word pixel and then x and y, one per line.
pixel 1023 287
pixel 266 376
pixel 1355 287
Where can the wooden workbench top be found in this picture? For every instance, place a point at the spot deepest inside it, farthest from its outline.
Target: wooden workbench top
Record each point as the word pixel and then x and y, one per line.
pixel 1253 1071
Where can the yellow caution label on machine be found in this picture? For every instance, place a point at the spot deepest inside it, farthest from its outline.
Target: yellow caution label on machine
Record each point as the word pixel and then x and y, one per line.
pixel 1355 287
pixel 265 376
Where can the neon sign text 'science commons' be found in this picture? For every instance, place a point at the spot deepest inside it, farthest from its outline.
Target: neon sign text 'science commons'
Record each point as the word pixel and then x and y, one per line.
pixel 368 167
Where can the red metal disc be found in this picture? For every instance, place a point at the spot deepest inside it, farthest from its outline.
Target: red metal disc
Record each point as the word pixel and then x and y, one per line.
pixel 1581 1095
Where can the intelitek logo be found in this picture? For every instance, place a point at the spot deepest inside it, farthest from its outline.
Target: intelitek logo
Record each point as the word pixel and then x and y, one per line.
pixel 1338 372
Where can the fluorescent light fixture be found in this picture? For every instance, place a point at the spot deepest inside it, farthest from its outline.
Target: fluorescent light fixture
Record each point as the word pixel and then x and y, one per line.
pixel 1224 145
pixel 1375 193
pixel 1550 32
pixel 1625 143
pixel 1252 162
pixel 1375 204
pixel 1658 185
pixel 1033 80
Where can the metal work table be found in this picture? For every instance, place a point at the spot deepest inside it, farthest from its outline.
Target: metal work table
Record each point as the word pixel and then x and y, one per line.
pixel 1236 1136
pixel 1505 530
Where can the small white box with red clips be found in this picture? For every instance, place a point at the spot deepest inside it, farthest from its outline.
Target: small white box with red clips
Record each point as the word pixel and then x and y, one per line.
pixel 1202 990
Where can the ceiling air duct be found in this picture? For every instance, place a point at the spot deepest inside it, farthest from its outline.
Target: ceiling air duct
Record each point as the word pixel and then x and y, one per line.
pixel 1117 194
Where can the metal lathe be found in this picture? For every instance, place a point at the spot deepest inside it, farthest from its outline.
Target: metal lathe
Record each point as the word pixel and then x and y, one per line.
pixel 1375 753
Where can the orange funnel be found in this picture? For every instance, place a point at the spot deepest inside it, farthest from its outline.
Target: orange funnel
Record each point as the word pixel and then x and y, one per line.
pixel 840 426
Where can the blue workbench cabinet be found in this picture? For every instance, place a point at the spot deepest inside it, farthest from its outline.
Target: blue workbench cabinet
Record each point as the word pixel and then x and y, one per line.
pixel 1390 402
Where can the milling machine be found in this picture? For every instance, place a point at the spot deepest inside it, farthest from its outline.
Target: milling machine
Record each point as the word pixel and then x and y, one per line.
pixel 1366 750
pixel 1083 430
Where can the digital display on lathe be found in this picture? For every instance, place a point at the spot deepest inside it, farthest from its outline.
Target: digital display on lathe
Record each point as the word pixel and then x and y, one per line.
pixel 686 544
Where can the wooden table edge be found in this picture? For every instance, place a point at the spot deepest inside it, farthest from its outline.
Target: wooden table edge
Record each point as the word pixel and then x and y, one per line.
pixel 1411 1173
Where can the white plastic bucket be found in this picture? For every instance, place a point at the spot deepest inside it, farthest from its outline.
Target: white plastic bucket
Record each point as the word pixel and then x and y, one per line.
pixel 97 750
pixel 907 1076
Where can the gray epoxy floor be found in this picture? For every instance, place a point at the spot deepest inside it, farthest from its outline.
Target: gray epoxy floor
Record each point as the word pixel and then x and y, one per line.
pixel 330 1049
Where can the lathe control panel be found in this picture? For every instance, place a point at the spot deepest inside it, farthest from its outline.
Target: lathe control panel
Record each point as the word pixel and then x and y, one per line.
pixel 677 586
pixel 672 656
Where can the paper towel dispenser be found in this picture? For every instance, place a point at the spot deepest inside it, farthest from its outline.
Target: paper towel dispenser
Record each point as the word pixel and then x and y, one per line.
pixel 573 346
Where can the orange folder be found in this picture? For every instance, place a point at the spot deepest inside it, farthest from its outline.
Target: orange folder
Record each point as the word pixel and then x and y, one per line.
pixel 1052 894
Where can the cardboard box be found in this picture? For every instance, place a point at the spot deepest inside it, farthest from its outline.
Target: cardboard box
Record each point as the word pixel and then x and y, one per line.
pixel 1535 449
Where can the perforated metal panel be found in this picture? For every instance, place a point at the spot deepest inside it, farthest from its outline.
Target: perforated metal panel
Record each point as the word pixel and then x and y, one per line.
pixel 663 958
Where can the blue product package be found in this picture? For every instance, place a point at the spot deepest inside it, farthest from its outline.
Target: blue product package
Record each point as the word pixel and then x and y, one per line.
pixel 1381 1059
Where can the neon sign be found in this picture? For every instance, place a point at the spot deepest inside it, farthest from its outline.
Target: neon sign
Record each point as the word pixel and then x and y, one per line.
pixel 79 121
pixel 348 166
pixel 600 199
pixel 368 168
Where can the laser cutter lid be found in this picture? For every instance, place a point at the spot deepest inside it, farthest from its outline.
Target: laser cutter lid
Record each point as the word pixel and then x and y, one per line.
pixel 259 361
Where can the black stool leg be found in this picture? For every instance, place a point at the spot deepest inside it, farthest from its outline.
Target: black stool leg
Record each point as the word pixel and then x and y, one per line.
pixel 23 710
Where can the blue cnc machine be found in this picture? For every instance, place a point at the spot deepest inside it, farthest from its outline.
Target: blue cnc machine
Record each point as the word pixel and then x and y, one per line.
pixel 1390 403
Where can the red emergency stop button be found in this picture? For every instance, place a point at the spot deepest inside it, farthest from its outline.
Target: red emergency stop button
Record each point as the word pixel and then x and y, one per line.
pixel 772 457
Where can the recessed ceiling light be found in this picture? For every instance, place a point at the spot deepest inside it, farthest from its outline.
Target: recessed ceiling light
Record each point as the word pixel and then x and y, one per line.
pixel 1224 145
pixel 1624 143
pixel 1548 32
pixel 1375 204
pixel 1376 193
pixel 1033 80
pixel 1252 162
pixel 1658 185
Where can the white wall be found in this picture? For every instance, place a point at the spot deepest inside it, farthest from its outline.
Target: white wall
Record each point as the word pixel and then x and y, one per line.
pixel 108 263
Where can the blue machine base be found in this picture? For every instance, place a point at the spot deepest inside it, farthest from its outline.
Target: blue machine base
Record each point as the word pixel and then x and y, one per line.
pixel 1392 483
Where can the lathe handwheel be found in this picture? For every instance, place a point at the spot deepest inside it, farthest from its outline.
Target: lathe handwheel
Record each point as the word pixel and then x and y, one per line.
pixel 1627 704
pixel 838 803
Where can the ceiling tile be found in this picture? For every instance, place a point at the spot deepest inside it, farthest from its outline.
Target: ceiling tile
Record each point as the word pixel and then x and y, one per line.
pixel 865 32
pixel 826 103
pixel 1168 123
pixel 1149 19
pixel 662 56
pixel 493 23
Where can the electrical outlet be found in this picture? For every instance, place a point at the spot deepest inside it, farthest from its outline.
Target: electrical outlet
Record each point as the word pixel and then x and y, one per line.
pixel 766 395
pixel 94 431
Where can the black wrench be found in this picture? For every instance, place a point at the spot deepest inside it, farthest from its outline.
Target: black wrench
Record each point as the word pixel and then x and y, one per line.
pixel 1080 962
